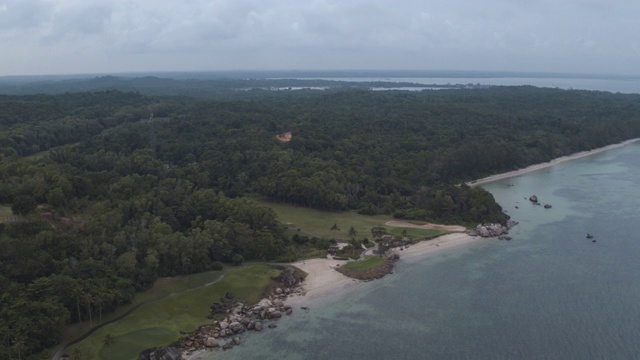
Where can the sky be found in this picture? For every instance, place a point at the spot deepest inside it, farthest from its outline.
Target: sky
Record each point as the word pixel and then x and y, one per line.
pixel 115 36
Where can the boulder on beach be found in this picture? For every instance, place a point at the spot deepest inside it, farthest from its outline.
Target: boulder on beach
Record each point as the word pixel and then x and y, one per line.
pixel 235 326
pixel 211 342
pixel 161 353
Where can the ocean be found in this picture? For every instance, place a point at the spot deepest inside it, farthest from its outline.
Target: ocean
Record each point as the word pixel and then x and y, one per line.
pixel 595 82
pixel 550 293
pixel 611 84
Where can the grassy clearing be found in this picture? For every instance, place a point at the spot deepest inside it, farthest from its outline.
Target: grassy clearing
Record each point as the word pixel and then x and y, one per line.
pixel 319 223
pixel 369 262
pixel 5 211
pixel 128 346
pixel 161 288
pixel 415 233
pixel 149 325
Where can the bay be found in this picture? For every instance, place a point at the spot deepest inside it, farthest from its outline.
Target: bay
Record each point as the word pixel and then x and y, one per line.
pixel 626 85
pixel 550 293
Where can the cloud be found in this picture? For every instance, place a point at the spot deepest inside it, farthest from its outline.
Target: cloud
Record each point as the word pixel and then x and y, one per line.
pixel 23 15
pixel 210 34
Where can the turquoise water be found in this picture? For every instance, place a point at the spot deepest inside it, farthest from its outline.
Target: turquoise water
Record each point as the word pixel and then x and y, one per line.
pixel 550 293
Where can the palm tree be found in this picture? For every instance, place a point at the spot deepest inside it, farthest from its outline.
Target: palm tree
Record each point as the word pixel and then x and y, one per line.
pixel 108 341
pixel 76 354
pixel 335 227
pixel 352 234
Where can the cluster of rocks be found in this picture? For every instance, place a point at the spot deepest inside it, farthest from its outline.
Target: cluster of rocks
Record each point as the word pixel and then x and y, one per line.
pixel 241 318
pixel 161 353
pixel 493 230
pixel 534 199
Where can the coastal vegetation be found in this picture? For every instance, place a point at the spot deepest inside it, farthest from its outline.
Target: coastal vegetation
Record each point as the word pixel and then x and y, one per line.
pixel 372 267
pixel 370 262
pixel 127 188
pixel 161 321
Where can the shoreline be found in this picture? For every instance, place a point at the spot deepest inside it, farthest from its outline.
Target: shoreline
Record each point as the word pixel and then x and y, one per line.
pixel 323 280
pixel 548 164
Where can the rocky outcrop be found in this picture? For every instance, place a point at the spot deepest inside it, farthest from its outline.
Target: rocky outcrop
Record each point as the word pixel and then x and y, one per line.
pixel 492 230
pixel 287 279
pixel 240 318
pixel 161 353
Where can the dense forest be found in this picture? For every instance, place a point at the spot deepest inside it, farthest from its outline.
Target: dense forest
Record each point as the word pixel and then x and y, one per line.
pixel 201 87
pixel 112 189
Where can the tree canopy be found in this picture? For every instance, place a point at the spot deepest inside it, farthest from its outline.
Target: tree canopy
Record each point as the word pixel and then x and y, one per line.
pixel 115 189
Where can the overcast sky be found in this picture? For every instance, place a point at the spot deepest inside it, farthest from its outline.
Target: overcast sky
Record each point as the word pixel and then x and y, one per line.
pixel 109 36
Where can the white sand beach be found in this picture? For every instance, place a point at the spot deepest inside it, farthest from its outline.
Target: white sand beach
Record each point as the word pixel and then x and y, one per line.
pixel 548 164
pixel 323 279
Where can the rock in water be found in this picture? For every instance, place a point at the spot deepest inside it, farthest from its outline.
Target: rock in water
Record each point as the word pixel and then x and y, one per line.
pixel 533 199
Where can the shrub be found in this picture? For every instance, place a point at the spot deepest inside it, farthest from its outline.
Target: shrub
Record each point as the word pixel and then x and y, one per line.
pixel 237 259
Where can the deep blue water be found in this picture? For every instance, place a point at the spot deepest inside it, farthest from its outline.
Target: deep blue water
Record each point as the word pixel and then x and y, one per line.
pixel 550 293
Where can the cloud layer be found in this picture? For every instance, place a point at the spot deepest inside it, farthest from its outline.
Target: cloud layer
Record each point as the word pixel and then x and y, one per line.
pixel 78 36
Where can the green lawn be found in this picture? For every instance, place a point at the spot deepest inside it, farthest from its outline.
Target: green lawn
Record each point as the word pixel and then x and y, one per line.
pixel 414 233
pixel 319 223
pixel 5 211
pixel 160 322
pixel 161 288
pixel 128 345
pixel 369 262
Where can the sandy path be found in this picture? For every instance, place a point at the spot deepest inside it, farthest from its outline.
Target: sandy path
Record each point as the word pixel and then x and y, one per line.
pixel 548 164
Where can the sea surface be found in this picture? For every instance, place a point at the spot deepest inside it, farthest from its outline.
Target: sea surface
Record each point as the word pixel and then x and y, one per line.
pixel 550 293
pixel 611 84
pixel 597 82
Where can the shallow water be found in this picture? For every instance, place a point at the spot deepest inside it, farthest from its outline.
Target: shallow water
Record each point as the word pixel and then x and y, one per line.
pixel 550 293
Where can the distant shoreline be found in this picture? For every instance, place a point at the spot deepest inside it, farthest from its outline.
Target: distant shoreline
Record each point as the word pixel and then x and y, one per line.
pixel 548 164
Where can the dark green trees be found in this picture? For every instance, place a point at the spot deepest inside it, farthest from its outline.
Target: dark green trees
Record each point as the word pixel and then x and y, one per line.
pixel 23 205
